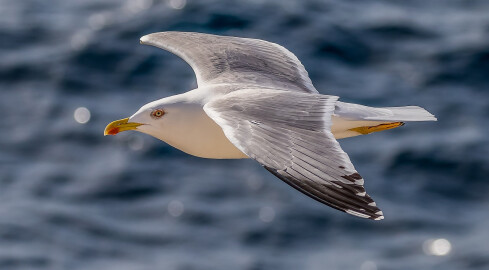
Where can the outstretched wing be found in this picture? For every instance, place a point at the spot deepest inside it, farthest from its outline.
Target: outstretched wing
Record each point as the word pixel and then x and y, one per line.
pixel 243 62
pixel 289 134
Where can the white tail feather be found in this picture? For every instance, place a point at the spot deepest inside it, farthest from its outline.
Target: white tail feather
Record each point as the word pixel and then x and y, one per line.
pixel 394 114
pixel 407 113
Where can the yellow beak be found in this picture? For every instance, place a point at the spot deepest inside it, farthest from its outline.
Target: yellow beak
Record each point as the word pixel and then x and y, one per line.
pixel 120 126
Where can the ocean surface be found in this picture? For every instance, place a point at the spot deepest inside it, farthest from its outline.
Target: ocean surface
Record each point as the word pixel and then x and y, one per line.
pixel 73 199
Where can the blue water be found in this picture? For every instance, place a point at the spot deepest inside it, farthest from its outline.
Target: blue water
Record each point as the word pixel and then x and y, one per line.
pixel 73 199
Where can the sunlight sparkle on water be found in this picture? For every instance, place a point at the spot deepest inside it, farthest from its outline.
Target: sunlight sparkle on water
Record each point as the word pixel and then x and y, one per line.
pixel 136 142
pixel 82 115
pixel 437 247
pixel 266 214
pixel 177 4
pixel 135 6
pixel 97 21
pixel 80 39
pixel 176 208
pixel 368 265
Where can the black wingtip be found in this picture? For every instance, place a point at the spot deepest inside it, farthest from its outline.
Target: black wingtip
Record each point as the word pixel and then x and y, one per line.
pixel 368 211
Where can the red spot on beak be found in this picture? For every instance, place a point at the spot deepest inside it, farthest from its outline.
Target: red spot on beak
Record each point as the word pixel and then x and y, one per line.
pixel 113 131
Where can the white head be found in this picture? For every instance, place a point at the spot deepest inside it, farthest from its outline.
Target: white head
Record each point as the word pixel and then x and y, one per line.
pixel 156 118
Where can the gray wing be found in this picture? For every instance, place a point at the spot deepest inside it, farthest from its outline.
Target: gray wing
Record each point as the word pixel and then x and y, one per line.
pixel 289 134
pixel 232 60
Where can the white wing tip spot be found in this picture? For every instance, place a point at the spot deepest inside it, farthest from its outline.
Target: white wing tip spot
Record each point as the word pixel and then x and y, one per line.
pixel 379 218
pixel 362 194
pixel 379 213
pixel 360 182
pixel 144 39
pixel 372 204
pixel 355 213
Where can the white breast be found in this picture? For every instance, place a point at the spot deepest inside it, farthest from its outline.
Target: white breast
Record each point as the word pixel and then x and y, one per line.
pixel 194 133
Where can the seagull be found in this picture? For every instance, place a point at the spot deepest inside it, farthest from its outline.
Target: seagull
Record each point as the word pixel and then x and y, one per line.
pixel 255 100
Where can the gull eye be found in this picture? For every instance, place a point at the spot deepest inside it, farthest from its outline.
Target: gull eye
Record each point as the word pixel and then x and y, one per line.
pixel 157 113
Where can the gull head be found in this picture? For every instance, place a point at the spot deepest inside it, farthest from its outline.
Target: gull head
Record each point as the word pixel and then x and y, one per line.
pixel 153 118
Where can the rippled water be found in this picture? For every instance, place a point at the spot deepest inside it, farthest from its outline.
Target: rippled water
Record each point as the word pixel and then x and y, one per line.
pixel 73 199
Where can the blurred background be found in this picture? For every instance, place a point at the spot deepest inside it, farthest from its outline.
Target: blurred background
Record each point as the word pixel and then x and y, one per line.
pixel 71 198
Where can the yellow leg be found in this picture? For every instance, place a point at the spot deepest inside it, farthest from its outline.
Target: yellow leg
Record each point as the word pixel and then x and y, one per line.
pixel 368 130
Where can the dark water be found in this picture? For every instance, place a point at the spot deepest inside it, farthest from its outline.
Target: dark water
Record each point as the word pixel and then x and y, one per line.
pixel 73 199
